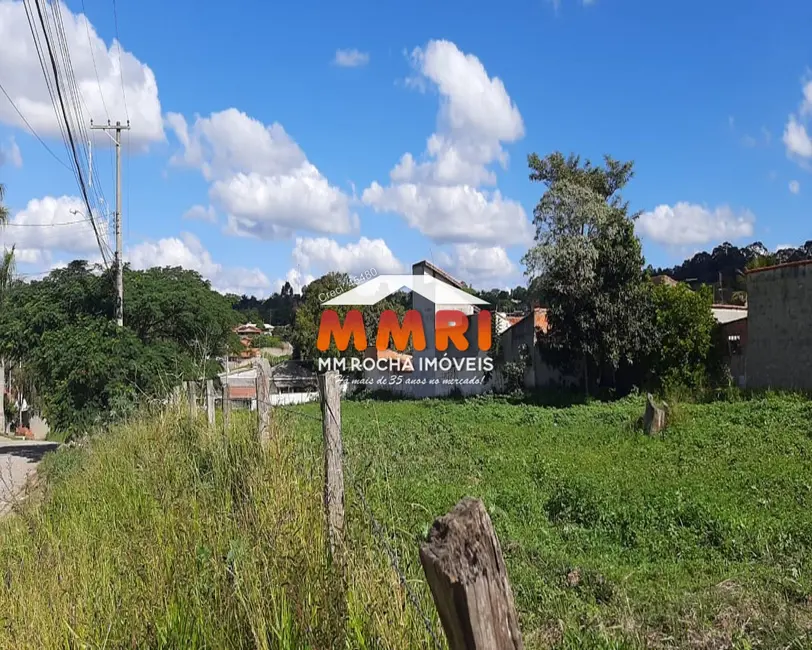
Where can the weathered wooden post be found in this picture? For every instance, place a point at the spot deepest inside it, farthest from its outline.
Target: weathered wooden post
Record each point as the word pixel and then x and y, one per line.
pixel 210 401
pixel 330 393
pixel 264 402
pixel 465 569
pixel 191 388
pixel 226 407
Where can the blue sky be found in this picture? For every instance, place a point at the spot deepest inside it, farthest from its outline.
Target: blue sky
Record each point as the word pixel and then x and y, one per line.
pixel 268 141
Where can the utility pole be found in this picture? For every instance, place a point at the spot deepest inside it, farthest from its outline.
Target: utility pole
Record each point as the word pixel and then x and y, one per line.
pixel 118 128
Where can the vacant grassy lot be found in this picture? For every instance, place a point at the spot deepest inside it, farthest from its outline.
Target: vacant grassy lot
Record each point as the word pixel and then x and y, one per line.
pixel 612 539
pixel 165 534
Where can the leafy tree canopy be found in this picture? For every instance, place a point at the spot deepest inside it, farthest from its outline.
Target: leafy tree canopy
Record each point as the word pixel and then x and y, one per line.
pixel 587 264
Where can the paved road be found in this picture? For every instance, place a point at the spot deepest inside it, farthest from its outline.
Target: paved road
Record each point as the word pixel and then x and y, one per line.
pixel 18 461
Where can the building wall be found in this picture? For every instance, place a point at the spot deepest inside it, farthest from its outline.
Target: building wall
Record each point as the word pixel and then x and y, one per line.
pixel 539 373
pixel 779 331
pixel 428 311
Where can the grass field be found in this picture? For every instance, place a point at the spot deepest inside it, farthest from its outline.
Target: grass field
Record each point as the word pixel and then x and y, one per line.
pixel 165 534
pixel 612 539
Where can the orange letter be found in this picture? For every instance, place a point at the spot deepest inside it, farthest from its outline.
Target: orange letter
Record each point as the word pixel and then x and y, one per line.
pixel 483 330
pixel 451 325
pixel 330 326
pixel 390 327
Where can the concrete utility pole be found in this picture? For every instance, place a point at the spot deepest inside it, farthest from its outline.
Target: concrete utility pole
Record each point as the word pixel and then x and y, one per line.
pixel 119 246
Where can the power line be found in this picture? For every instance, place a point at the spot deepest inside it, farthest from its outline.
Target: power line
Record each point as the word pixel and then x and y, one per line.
pixel 33 132
pixel 11 224
pixel 120 68
pixel 70 134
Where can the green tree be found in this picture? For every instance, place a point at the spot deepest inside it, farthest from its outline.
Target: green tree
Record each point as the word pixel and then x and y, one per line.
pixel 684 329
pixel 587 264
pixel 308 316
pixel 81 369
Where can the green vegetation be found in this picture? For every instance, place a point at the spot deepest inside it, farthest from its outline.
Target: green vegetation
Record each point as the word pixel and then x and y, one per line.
pixel 612 539
pixel 267 341
pixel 72 362
pixel 684 329
pixel 165 534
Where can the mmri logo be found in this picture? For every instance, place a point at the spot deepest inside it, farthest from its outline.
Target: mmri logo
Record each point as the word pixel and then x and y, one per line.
pixel 450 325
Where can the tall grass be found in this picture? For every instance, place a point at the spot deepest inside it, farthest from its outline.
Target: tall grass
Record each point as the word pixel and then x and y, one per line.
pixel 164 533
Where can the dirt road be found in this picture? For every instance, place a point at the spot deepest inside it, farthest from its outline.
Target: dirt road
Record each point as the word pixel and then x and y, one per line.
pixel 18 461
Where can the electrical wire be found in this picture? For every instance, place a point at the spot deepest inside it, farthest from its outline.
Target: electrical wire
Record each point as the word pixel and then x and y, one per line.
pixel 33 132
pixel 71 140
pixel 120 69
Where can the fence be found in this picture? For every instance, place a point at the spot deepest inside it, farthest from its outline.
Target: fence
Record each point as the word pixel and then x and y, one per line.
pixel 461 556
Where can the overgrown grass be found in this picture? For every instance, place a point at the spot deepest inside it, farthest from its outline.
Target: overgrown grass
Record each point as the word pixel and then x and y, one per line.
pixel 165 534
pixel 612 539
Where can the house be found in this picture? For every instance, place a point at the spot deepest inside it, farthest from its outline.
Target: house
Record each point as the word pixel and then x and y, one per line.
pixel 242 385
pixel 247 330
pixel 464 381
pixel 732 321
pixel 269 328
pixel 518 345
pixel 293 377
pixel 779 334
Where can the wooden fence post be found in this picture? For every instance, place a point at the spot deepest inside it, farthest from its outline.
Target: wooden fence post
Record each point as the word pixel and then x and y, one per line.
pixel 210 401
pixel 330 393
pixel 226 407
pixel 264 402
pixel 465 569
pixel 191 387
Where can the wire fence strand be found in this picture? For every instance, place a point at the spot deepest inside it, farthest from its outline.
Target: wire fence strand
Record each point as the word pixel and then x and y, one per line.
pixel 379 533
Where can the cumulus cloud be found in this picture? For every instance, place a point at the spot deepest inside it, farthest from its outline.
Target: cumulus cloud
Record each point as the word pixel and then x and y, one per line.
pixel 188 252
pixel 10 153
pixel 53 225
pixel 297 280
pixel 25 83
pixel 200 213
pixel 794 187
pixel 689 223
pixel 441 195
pixel 260 177
pixel 324 255
pixel 483 267
pixel 796 138
pixel 350 58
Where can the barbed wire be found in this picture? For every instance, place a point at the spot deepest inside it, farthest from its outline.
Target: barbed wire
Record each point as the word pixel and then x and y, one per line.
pixel 377 529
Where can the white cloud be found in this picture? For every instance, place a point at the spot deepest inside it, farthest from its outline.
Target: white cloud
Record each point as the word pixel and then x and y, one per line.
pixel 794 187
pixel 24 81
pixel 458 213
pixel 297 280
pixel 260 177
pixel 484 267
pixel 797 139
pixel 440 195
pixel 10 153
pixel 796 136
pixel 199 213
pixel 690 223
pixel 325 255
pixel 186 251
pixel 53 224
pixel 350 58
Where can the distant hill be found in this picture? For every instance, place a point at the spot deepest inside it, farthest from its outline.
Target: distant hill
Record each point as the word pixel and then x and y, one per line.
pixel 723 267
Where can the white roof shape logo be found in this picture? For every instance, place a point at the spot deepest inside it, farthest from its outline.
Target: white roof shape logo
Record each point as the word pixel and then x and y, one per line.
pixel 381 286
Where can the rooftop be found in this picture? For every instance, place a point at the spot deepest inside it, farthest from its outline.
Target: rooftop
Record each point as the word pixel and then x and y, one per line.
pixel 438 271
pixel 780 266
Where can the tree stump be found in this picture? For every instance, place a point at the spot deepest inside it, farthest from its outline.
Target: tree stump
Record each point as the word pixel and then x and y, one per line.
pixel 654 419
pixel 465 569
